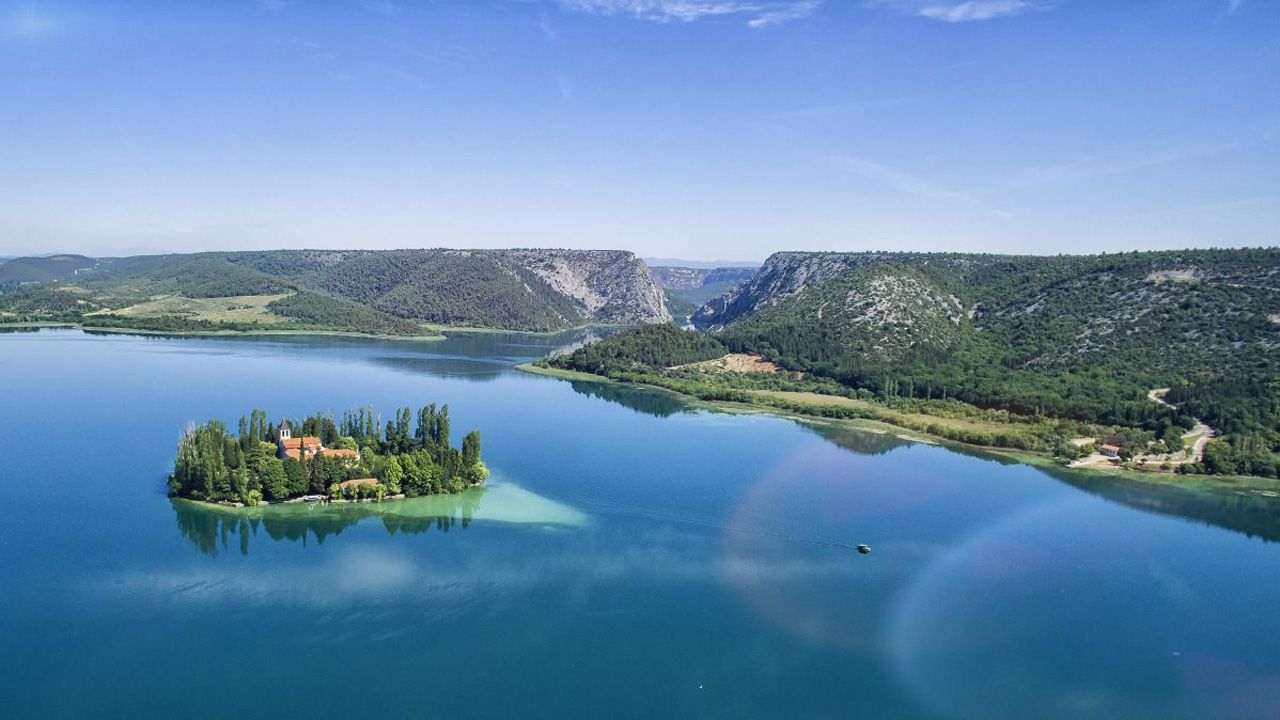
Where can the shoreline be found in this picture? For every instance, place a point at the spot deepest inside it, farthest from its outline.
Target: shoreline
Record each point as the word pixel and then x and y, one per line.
pixel 434 332
pixel 1241 484
pixel 228 506
pixel 249 333
pixel 482 330
pixel 212 333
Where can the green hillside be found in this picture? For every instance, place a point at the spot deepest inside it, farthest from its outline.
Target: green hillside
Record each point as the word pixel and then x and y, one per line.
pixel 16 271
pixel 442 287
pixel 393 291
pixel 1073 338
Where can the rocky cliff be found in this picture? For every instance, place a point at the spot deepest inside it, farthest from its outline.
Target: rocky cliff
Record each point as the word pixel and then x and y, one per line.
pixel 613 286
pixel 784 274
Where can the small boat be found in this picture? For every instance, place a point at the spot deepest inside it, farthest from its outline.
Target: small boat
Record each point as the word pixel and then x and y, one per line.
pixel 864 549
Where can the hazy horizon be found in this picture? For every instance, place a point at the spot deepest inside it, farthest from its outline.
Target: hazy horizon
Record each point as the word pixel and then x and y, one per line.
pixel 695 129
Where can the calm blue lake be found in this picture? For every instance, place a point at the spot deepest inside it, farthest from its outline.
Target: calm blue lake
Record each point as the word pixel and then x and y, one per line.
pixel 630 558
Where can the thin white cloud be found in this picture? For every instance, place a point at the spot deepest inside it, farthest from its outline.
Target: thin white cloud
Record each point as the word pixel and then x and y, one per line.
pixel 29 23
pixel 795 11
pixel 382 7
pixel 967 11
pixel 549 32
pixel 1234 5
pixel 909 184
pixel 760 13
pixel 1091 166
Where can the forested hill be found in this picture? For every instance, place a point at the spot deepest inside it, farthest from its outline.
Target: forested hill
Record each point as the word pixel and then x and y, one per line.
pixel 372 291
pixel 16 271
pixel 1195 312
pixel 1080 336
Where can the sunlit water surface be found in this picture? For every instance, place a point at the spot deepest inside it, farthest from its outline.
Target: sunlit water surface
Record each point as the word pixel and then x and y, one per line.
pixel 630 558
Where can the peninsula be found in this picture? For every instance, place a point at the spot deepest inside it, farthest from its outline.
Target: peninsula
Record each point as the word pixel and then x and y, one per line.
pixel 355 459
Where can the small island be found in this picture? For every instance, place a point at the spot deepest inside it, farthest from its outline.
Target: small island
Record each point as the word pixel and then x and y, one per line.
pixel 357 459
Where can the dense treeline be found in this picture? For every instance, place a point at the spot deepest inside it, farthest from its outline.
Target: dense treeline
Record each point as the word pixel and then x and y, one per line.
pixel 327 311
pixel 402 458
pixel 207 277
pixel 651 346
pixel 1247 413
pixel 162 323
pixel 987 427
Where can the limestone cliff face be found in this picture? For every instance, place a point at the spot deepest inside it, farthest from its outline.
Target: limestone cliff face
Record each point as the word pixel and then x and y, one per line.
pixel 783 275
pixel 686 278
pixel 613 286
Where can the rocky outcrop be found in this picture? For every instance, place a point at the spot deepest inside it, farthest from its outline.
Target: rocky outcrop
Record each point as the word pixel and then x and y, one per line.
pixel 614 286
pixel 783 275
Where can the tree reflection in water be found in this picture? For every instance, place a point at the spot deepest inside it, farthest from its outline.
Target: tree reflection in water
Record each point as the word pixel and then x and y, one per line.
pixel 644 400
pixel 214 529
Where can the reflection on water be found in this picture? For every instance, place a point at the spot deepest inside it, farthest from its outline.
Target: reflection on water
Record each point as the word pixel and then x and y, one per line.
pixel 863 442
pixel 649 402
pixel 1251 514
pixel 215 529
pixel 1254 515
pixel 452 368
pixel 479 356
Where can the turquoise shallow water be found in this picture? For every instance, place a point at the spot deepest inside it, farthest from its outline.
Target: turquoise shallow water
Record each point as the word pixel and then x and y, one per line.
pixel 630 559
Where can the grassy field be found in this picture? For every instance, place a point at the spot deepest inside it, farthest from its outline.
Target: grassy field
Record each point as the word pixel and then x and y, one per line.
pixel 242 308
pixel 818 400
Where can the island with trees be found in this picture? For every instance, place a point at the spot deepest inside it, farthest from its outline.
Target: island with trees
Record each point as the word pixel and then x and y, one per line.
pixel 357 458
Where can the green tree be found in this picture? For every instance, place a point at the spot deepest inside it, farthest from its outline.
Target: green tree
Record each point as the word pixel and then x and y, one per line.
pixel 299 479
pixel 275 484
pixel 393 475
pixel 442 438
pixel 320 473
pixel 471 449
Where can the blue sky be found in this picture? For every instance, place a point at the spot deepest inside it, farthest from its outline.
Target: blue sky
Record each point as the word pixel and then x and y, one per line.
pixel 683 128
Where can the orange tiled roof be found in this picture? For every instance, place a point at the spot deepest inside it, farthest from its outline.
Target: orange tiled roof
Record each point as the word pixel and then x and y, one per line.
pixel 292 453
pixel 300 442
pixel 361 481
pixel 340 453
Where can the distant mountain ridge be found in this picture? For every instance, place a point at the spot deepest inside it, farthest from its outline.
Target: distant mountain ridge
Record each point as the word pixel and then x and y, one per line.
pixel 689 278
pixel 43 269
pixel 687 288
pixel 524 289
